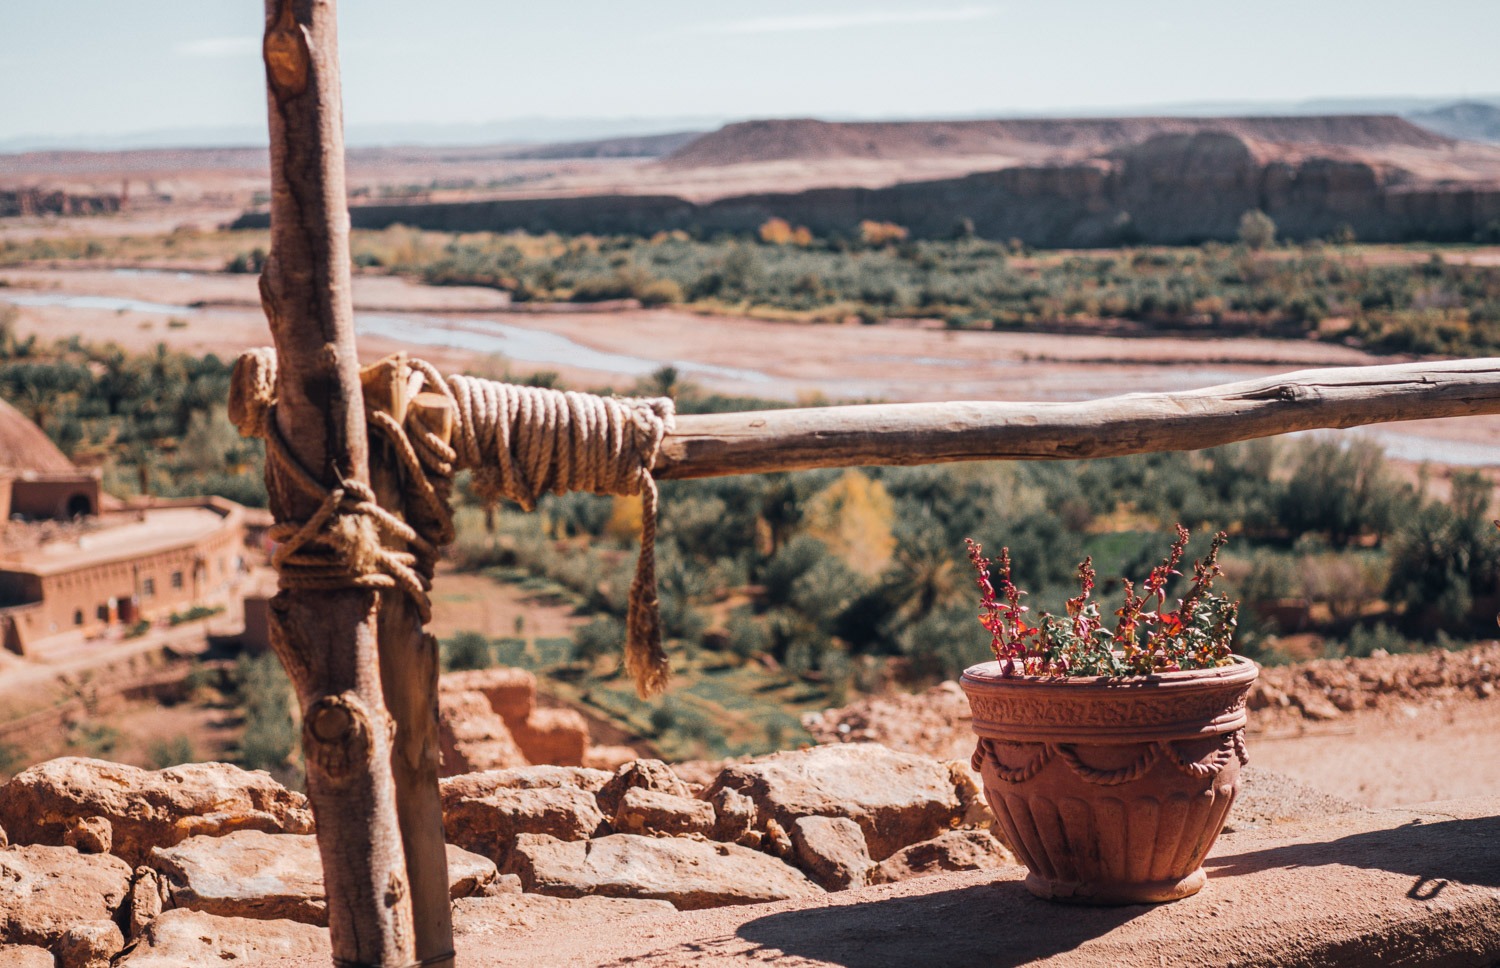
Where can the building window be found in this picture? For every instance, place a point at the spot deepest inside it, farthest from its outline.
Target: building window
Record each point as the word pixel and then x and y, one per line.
pixel 148 587
pixel 77 616
pixel 176 579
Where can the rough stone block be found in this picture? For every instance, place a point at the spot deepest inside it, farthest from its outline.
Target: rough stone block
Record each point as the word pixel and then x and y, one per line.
pixel 689 873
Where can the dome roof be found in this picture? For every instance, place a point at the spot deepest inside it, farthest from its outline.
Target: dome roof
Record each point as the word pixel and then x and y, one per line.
pixel 24 447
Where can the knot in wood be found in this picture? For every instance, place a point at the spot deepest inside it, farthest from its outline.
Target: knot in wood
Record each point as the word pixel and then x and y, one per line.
pixel 288 61
pixel 336 738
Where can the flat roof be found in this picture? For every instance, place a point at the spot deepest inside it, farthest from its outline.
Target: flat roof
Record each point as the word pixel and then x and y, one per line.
pixel 160 529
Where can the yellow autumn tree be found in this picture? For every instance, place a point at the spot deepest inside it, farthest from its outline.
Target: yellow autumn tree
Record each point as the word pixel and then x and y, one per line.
pixel 624 524
pixel 778 231
pixel 881 233
pixel 853 517
pixel 775 231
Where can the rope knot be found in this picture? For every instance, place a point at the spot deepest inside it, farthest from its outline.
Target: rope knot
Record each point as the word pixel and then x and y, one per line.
pixel 252 391
pixel 523 442
pixel 343 543
pixel 520 442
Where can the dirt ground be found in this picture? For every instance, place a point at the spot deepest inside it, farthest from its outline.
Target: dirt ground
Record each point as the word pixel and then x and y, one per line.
pixel 1412 754
pixel 473 603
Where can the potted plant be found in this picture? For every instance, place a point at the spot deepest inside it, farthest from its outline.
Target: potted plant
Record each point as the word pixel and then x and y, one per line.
pixel 1111 754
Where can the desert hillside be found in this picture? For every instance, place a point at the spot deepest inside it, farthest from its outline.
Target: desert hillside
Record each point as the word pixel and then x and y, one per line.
pixel 806 139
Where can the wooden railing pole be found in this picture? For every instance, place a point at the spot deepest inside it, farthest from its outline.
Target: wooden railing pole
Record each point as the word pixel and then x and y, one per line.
pixel 714 445
pixel 409 671
pixel 326 638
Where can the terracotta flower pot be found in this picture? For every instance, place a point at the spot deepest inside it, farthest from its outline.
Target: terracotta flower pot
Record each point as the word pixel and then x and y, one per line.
pixel 1111 791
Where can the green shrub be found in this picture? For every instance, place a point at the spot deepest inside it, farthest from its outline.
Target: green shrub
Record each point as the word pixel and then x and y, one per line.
pixel 467 650
pixel 271 735
pixel 164 753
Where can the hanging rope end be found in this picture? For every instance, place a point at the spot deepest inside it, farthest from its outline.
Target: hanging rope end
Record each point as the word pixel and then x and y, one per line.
pixel 648 665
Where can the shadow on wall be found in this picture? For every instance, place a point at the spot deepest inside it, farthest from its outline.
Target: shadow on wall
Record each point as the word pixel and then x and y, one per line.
pixel 995 925
pixel 1434 854
pixel 999 925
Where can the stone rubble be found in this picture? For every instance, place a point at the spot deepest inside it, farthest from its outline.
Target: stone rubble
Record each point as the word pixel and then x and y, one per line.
pixel 490 825
pixel 192 939
pixel 644 811
pixel 832 851
pixel 689 873
pixel 249 874
pixel 209 864
pixel 141 809
pixel 50 891
pixel 897 798
pixel 956 850
pixel 490 719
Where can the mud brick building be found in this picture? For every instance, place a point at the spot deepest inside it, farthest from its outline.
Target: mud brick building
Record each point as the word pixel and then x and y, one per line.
pixel 71 566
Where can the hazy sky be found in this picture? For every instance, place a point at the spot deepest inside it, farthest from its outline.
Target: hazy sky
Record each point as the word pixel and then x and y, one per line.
pixel 114 66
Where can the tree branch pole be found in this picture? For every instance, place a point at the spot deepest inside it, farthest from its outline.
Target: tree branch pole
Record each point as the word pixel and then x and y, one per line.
pixel 409 671
pixel 326 638
pixel 757 442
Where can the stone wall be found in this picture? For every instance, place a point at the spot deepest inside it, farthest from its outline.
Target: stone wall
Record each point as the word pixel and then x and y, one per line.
pixel 489 719
pixel 1170 189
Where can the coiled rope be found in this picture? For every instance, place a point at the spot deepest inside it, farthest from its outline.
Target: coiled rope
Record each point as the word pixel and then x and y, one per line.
pixel 520 442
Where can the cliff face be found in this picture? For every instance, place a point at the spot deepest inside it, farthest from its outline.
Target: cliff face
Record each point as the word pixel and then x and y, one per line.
pixel 805 139
pixel 1172 188
pixel 41 201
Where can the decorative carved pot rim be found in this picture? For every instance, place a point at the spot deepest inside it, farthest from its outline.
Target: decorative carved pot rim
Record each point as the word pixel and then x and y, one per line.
pixel 1195 703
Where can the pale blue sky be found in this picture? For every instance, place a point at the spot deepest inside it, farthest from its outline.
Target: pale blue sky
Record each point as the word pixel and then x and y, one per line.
pixel 106 67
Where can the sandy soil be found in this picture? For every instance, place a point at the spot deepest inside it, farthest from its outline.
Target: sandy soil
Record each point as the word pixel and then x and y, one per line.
pixel 1408 755
pixel 839 362
pixel 469 602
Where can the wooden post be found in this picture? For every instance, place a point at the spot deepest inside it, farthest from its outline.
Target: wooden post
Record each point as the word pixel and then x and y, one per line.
pixel 759 442
pixel 326 638
pixel 409 676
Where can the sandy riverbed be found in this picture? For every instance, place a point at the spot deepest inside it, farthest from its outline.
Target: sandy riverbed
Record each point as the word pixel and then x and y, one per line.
pixel 472 328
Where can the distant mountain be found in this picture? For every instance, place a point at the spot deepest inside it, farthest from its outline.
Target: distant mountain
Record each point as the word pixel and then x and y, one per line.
pixel 1465 120
pixel 642 146
pixel 807 139
pixel 556 131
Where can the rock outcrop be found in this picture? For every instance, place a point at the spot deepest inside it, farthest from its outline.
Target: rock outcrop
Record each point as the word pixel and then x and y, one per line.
pixel 689 873
pixel 896 798
pixel 489 825
pixel 832 851
pixel 270 877
pixel 96 804
pixel 956 850
pixel 26 956
pixel 59 899
pixel 490 719
pixel 189 939
pixel 222 880
pixel 472 737
pixel 653 775
pixel 643 811
pixel 1166 188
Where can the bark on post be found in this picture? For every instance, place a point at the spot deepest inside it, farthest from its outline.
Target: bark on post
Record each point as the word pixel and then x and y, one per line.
pixel 326 638
pixel 409 676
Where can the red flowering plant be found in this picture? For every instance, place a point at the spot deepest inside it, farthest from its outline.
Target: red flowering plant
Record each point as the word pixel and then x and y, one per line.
pixel 1146 638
